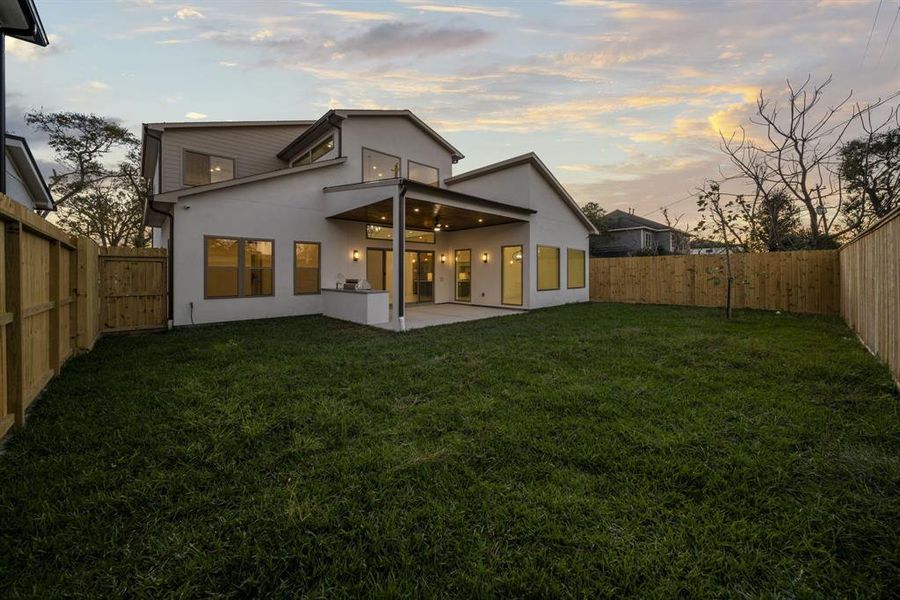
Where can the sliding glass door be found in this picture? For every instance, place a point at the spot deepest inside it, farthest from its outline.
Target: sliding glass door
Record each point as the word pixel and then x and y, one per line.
pixel 511 275
pixel 463 262
pixel 420 276
pixel 418 273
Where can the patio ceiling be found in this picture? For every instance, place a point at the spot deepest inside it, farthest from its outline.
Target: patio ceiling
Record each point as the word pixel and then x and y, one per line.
pixel 372 202
pixel 421 214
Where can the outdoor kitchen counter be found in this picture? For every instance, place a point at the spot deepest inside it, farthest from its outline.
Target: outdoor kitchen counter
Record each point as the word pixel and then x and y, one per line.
pixel 369 307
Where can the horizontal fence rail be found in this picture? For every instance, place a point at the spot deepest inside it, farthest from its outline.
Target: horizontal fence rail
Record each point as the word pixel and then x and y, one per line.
pixel 803 282
pixel 870 289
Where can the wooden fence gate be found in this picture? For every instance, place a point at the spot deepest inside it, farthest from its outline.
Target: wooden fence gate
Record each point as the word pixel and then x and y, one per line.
pixel 133 289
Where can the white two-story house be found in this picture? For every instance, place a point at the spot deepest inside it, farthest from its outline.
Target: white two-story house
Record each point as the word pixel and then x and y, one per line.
pixel 269 218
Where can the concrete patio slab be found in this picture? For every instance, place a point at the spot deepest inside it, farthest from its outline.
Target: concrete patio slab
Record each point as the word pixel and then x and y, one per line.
pixel 427 315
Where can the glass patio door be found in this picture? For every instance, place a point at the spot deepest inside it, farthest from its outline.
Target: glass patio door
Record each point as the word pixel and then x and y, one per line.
pixel 418 274
pixel 463 261
pixel 419 268
pixel 511 275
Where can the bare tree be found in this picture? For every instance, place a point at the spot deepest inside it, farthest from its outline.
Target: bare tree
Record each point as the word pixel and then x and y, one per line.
pixel 798 154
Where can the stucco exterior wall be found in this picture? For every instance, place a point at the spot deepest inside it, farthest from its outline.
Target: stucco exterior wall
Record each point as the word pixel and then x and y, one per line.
pixel 294 208
pixel 511 186
pixel 391 135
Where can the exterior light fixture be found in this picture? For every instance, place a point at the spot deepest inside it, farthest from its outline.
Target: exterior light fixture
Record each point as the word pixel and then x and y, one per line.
pixel 355 255
pixel 443 258
pixel 437 224
pixel 484 257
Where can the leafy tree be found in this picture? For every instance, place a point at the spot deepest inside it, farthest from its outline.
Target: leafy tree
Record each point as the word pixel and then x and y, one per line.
pixel 870 169
pixel 96 195
pixel 596 215
pixel 720 216
pixel 778 223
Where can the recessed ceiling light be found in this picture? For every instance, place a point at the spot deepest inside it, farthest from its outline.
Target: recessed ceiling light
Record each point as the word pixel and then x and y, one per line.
pixel 415 210
pixel 384 218
pixel 481 220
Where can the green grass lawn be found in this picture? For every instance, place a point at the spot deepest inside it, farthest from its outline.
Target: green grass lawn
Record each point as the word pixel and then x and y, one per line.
pixel 589 450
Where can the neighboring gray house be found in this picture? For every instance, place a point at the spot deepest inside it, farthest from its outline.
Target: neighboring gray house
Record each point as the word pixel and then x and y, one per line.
pixel 626 234
pixel 24 182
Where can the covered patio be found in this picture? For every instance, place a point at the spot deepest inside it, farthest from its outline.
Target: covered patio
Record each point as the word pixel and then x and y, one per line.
pixel 404 207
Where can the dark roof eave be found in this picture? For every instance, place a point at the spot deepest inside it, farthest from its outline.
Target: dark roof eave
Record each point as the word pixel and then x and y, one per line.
pixel 410 184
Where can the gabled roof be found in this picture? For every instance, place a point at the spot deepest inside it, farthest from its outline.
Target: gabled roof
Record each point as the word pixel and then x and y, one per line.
pixel 21 156
pixel 619 219
pixel 530 159
pixel 334 117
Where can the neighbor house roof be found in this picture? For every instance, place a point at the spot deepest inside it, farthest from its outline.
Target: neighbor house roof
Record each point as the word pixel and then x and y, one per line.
pixel 21 156
pixel 531 159
pixel 619 220
pixel 334 117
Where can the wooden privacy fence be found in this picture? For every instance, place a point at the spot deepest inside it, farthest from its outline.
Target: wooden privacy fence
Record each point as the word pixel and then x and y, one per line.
pixel 133 289
pixel 51 301
pixel 870 289
pixel 806 281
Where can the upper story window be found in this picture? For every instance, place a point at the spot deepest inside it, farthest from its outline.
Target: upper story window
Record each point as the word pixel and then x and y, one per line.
pixel 378 165
pixel 317 151
pixel 200 169
pixel 424 173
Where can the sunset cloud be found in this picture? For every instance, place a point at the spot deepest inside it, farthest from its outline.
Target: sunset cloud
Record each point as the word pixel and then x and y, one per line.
pixel 189 12
pixel 620 96
pixel 355 15
pixel 628 10
pixel 465 9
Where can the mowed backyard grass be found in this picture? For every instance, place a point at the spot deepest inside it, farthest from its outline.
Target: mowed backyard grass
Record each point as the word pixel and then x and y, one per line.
pixel 588 450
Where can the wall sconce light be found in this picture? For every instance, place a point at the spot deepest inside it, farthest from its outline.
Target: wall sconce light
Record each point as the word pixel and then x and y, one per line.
pixel 355 255
pixel 484 257
pixel 443 258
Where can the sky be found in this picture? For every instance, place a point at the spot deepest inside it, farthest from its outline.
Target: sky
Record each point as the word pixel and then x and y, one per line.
pixel 623 101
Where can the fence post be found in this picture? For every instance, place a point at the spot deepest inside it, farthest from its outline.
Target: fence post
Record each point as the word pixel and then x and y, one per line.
pixel 15 302
pixel 74 320
pixel 56 299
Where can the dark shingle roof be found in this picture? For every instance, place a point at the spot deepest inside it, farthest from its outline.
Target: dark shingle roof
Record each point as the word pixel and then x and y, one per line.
pixel 619 219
